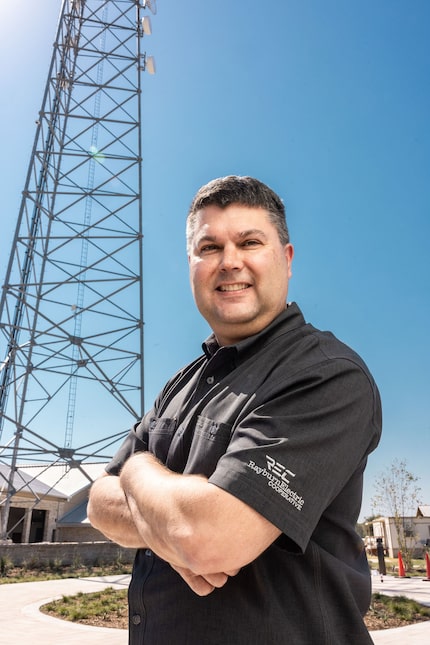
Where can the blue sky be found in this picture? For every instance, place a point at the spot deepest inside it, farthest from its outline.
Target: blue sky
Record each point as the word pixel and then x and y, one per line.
pixel 327 102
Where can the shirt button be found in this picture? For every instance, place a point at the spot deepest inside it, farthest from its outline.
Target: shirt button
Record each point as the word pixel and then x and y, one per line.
pixel 135 619
pixel 148 553
pixel 210 380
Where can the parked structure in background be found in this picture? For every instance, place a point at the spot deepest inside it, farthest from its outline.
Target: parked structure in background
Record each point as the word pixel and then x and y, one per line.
pixel 50 504
pixel 416 528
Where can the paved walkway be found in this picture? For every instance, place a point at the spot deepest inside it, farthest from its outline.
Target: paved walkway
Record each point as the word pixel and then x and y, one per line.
pixel 22 622
pixel 415 588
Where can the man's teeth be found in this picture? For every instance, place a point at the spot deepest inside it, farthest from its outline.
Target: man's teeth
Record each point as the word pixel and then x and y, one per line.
pixel 233 287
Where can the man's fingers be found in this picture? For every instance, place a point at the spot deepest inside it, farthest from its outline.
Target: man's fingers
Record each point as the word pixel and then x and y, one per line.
pixel 216 579
pixel 196 583
pixel 204 585
pixel 199 585
pixel 233 572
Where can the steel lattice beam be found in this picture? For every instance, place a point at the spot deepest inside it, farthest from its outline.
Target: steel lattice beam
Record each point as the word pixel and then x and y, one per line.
pixel 71 308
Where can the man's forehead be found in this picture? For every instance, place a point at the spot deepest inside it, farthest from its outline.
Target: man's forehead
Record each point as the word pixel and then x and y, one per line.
pixel 212 215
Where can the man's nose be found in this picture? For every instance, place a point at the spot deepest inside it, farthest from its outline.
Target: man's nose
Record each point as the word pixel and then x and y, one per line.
pixel 231 258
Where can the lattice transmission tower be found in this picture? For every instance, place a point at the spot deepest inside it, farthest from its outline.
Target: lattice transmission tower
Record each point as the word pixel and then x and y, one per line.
pixel 71 308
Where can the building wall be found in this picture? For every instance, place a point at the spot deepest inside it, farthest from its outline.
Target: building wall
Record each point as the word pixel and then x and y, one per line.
pixel 81 533
pixel 71 553
pixel 385 527
pixel 53 510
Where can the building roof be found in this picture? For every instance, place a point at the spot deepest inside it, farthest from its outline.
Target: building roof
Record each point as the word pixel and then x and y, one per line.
pixel 69 480
pixel 27 484
pixel 77 516
pixel 423 510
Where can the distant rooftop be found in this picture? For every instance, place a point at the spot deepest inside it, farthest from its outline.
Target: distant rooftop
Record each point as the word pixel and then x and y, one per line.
pixel 423 510
pixel 64 478
pixel 76 517
pixel 28 483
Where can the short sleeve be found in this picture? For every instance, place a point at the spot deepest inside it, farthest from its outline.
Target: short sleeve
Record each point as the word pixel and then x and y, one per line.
pixel 134 442
pixel 295 454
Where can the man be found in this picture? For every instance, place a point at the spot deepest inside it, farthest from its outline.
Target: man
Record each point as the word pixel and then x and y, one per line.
pixel 242 486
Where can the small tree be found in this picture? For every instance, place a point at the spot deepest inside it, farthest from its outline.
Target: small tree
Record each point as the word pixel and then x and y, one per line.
pixel 397 495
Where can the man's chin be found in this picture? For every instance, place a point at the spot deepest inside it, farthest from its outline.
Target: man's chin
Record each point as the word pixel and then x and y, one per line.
pixel 236 328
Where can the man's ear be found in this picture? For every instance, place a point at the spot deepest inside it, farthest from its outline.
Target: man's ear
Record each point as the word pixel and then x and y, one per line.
pixel 289 254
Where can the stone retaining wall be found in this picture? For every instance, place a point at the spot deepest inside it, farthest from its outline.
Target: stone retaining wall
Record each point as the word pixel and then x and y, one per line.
pixel 69 553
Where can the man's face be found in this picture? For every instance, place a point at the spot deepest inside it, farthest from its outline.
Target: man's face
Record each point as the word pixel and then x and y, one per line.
pixel 239 270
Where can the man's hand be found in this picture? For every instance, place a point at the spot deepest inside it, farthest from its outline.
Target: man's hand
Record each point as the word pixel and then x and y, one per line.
pixel 203 585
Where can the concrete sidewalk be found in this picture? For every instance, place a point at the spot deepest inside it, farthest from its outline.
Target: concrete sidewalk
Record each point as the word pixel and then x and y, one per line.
pixel 415 588
pixel 22 622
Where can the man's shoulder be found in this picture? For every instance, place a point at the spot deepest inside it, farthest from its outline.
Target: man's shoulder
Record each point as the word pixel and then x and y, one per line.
pixel 334 349
pixel 302 344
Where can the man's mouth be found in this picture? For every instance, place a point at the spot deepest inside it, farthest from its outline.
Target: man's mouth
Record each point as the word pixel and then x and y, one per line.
pixel 233 287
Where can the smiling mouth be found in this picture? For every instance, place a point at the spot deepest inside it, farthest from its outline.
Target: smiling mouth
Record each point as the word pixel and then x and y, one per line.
pixel 233 287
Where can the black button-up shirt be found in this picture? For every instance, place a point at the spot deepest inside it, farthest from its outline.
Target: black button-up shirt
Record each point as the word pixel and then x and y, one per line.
pixel 284 421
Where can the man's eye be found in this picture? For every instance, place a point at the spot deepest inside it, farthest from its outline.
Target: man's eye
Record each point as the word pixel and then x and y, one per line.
pixel 207 248
pixel 251 243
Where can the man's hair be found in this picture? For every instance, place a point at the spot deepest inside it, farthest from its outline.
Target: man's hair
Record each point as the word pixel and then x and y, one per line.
pixel 244 191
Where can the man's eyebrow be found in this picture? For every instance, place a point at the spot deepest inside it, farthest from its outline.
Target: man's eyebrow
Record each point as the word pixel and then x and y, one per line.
pixel 252 231
pixel 206 238
pixel 241 235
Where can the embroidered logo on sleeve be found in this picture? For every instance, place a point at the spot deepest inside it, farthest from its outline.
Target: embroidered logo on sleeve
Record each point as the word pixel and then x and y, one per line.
pixel 278 477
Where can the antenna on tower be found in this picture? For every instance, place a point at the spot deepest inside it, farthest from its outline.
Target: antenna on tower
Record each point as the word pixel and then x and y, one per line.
pixel 146 26
pixel 151 5
pixel 149 64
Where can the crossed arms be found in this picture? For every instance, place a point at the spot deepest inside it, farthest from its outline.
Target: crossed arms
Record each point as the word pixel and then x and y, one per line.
pixel 204 532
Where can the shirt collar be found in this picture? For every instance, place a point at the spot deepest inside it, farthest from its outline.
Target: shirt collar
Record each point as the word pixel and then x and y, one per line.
pixel 288 320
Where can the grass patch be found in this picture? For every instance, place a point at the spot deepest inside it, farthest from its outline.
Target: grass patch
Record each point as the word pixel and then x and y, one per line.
pixel 108 607
pixel 394 611
pixel 34 572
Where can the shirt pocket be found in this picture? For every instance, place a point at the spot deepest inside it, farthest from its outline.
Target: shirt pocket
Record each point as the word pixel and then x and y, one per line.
pixel 160 434
pixel 209 443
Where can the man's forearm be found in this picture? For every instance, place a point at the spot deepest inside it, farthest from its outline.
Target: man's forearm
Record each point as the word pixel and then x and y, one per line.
pixel 151 491
pixel 108 512
pixel 188 521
